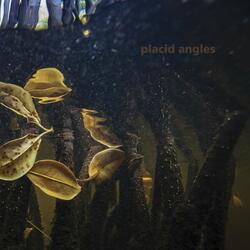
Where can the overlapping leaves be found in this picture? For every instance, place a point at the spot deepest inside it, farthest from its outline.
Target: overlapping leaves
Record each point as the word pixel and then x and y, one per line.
pixel 47 85
pixel 105 164
pixel 98 128
pixel 17 157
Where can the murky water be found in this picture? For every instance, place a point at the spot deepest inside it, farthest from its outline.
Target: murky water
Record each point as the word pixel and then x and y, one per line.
pixel 142 112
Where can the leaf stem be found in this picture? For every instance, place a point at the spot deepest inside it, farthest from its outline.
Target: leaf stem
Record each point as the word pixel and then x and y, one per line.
pixel 43 128
pixel 47 131
pixel 38 229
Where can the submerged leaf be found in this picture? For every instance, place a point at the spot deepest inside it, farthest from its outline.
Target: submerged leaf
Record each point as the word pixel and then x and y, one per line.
pixel 52 76
pixel 55 179
pixel 237 202
pixel 89 111
pixel 148 185
pixel 48 100
pixel 18 156
pixel 105 164
pixel 27 232
pixel 47 85
pixel 20 101
pixel 147 179
pixel 99 131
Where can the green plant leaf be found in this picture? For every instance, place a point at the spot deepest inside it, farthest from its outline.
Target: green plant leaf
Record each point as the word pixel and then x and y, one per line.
pixel 55 179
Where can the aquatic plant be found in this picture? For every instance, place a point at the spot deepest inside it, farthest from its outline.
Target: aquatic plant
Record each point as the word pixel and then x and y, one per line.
pixel 20 101
pixel 116 215
pixel 47 85
pixel 18 157
pixel 99 131
pixel 104 164
pixel 55 179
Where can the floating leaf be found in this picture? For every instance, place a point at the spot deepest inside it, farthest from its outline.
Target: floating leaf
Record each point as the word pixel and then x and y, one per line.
pixel 47 85
pixel 105 164
pixel 18 156
pixel 55 179
pixel 98 130
pixel 20 101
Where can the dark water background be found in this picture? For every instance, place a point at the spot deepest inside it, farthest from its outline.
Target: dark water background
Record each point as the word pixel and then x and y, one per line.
pixel 223 24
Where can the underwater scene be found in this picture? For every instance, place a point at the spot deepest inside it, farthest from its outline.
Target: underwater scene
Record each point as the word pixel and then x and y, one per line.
pixel 124 125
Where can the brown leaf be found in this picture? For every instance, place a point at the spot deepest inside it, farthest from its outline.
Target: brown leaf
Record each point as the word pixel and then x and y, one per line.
pixel 18 156
pixel 105 164
pixel 237 202
pixel 47 85
pixel 20 101
pixel 55 179
pixel 99 131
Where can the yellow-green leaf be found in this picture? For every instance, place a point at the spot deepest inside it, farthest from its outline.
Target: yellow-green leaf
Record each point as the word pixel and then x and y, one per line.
pixel 20 101
pixel 18 156
pixel 52 76
pixel 99 131
pixel 47 85
pixel 55 179
pixel 105 164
